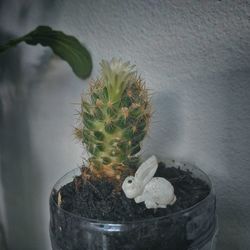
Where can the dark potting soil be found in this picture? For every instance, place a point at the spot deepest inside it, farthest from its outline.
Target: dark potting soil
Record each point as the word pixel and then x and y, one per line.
pixel 97 200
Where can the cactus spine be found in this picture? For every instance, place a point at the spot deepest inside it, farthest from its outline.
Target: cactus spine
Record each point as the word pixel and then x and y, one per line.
pixel 115 117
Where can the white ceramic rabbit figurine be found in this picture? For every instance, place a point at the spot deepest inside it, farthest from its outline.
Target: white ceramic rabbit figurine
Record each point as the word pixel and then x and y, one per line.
pixel 156 192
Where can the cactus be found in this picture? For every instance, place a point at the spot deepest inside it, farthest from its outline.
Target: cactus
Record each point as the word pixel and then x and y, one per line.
pixel 114 120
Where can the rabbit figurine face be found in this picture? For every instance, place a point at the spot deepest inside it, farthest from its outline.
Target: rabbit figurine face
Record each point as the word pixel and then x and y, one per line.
pixel 132 187
pixel 155 192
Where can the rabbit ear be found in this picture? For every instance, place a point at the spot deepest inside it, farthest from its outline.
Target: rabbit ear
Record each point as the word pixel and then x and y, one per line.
pixel 146 170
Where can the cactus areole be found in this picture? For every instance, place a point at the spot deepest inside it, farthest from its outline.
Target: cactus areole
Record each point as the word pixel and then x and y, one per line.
pixel 114 120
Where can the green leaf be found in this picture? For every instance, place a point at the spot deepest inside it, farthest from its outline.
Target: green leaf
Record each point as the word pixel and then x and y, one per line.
pixel 65 46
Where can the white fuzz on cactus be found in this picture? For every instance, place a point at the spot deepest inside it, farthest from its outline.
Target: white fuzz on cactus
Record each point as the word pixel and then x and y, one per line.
pixel 117 75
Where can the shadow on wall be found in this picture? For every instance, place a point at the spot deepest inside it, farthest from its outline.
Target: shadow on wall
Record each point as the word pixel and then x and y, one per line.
pixel 166 129
pixel 24 229
pixel 234 217
pixel 8 86
pixel 18 166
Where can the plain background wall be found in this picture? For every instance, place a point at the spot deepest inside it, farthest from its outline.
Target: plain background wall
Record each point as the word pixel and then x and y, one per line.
pixel 194 56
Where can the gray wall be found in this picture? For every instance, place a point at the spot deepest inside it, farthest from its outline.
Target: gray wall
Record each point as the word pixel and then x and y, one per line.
pixel 194 55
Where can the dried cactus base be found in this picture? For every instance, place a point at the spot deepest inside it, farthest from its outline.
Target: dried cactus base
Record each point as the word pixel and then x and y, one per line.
pixel 91 216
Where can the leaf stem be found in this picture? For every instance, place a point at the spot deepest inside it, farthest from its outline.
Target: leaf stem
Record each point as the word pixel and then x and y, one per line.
pixel 12 43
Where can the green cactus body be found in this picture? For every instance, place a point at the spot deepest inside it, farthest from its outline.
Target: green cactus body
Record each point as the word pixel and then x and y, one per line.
pixel 115 118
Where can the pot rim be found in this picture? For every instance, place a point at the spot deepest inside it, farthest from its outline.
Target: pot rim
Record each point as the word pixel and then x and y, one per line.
pixel 181 164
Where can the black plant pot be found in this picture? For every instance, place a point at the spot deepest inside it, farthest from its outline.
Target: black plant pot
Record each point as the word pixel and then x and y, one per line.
pixel 190 229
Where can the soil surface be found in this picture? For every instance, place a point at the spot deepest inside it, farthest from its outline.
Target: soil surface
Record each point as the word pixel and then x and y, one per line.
pixel 97 200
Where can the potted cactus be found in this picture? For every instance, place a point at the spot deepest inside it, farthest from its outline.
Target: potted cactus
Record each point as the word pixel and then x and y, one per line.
pixel 117 199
